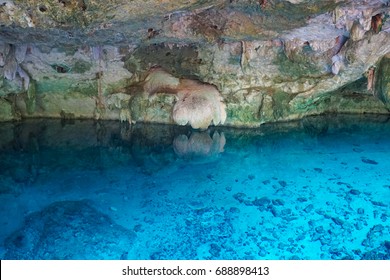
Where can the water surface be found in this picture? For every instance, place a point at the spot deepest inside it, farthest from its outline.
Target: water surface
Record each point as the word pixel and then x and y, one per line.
pixel 314 189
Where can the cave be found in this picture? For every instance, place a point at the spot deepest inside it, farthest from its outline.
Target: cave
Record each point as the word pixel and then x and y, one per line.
pixel 194 130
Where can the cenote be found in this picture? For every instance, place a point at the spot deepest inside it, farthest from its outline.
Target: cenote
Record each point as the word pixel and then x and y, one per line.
pixel 313 189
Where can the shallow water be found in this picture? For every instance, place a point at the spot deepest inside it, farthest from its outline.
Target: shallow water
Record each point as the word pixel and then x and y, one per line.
pixel 314 189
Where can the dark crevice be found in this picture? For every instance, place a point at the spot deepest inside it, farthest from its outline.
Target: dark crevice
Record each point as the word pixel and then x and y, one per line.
pixel 42 8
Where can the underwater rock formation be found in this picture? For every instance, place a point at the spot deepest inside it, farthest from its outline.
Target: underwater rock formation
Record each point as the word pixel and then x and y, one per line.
pixel 267 60
pixel 59 232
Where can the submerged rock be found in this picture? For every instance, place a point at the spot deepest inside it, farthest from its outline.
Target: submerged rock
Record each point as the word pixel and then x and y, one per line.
pixel 69 230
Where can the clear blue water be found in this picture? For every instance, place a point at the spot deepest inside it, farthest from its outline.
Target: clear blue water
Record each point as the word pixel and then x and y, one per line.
pixel 314 189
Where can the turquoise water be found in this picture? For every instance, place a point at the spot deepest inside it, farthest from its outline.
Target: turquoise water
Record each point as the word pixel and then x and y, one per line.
pixel 314 189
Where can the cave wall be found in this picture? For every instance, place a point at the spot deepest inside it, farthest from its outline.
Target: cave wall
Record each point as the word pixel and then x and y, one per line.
pixel 269 60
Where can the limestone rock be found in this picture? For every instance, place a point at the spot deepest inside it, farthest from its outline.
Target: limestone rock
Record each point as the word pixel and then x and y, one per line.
pixel 337 64
pixel 382 81
pixel 198 104
pixel 5 110
pixel 159 81
pixel 241 63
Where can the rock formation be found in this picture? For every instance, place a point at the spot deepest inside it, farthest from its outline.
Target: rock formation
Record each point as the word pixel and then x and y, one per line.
pixel 59 232
pixel 197 104
pixel 261 61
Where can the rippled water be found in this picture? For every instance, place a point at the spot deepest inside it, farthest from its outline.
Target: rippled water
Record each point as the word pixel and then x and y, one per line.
pixel 314 189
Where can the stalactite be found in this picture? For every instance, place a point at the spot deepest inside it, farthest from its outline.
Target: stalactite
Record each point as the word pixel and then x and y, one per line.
pixel 31 98
pixel 14 56
pixel 337 64
pixel 20 53
pixel 244 61
pixel 198 104
pixel 4 50
pixel 25 77
pixel 371 79
pixel 97 54
pixel 11 65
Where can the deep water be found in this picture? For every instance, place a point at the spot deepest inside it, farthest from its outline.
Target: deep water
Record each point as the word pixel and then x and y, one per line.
pixel 314 189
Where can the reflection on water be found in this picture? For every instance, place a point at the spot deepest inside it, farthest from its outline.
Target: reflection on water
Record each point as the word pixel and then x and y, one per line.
pixel 199 145
pixel 314 189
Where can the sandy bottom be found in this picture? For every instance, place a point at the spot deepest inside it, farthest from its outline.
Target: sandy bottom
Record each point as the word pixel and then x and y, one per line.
pixel 315 189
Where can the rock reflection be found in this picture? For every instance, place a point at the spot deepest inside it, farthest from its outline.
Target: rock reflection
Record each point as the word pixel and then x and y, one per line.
pixel 199 145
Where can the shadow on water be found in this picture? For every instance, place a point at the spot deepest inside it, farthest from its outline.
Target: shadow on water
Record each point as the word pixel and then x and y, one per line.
pixel 312 189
